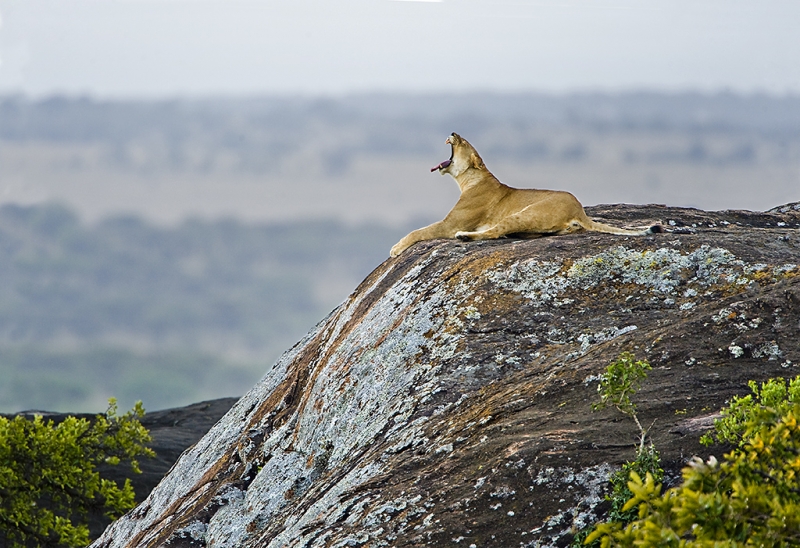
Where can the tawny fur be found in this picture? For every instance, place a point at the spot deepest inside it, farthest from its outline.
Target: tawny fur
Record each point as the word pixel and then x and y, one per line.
pixel 488 209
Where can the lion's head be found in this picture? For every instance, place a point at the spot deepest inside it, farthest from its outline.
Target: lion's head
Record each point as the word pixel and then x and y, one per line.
pixel 463 157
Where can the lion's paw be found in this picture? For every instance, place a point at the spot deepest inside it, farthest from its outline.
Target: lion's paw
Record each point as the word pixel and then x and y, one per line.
pixel 397 249
pixel 464 236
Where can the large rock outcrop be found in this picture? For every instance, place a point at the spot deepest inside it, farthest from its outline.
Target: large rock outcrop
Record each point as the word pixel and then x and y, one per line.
pixel 447 402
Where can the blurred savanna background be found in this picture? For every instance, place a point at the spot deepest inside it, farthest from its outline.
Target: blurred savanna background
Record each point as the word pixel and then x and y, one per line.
pixel 188 186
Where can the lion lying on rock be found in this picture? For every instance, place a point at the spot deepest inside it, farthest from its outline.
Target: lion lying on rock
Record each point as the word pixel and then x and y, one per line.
pixel 488 209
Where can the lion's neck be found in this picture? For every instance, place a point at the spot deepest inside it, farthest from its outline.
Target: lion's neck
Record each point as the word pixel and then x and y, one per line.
pixel 474 178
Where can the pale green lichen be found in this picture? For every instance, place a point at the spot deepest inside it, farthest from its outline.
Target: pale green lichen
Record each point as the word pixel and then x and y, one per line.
pixel 536 280
pixel 590 482
pixel 769 350
pixel 588 339
pixel 661 271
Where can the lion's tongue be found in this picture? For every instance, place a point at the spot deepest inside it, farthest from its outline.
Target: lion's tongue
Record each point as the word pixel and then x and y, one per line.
pixel 441 166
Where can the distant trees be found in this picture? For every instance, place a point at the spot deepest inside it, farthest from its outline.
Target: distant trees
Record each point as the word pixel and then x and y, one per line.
pixel 48 481
pixel 175 314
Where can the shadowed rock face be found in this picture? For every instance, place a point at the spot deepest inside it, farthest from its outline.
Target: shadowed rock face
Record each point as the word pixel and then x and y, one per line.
pixel 448 400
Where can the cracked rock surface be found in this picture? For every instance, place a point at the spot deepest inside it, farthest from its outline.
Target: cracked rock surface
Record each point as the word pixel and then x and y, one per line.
pixel 447 402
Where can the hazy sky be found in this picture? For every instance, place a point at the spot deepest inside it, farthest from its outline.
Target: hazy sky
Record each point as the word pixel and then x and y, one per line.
pixel 156 48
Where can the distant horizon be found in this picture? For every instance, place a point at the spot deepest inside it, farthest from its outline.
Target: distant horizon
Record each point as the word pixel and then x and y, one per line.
pixel 577 92
pixel 367 157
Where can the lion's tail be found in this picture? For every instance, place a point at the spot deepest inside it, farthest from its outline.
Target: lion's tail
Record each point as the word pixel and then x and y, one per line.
pixel 608 229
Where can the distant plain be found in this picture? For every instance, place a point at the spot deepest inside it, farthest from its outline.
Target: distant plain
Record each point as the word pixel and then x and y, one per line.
pixel 240 223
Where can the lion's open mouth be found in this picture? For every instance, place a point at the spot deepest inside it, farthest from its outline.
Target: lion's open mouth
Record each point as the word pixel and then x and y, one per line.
pixel 446 162
pixel 442 165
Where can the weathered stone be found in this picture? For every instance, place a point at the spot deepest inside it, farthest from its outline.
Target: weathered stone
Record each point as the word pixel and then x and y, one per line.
pixel 448 400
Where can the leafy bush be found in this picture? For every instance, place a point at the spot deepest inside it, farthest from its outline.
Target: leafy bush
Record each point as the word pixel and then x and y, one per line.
pixel 751 498
pixel 647 461
pixel 48 480
pixel 769 402
pixel 618 383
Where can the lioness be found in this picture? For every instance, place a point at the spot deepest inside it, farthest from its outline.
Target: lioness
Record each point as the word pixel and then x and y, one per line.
pixel 489 209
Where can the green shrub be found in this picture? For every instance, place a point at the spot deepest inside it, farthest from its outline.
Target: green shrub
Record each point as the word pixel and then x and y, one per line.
pixel 48 481
pixel 618 383
pixel 751 498
pixel 647 461
pixel 768 403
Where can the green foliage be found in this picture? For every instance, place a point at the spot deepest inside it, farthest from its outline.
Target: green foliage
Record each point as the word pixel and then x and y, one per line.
pixel 620 381
pixel 751 498
pixel 48 481
pixel 772 400
pixel 647 461
pixel 646 464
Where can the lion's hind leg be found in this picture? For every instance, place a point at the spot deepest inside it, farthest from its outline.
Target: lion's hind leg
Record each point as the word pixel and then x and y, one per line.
pixel 517 224
pixel 572 227
pixel 490 233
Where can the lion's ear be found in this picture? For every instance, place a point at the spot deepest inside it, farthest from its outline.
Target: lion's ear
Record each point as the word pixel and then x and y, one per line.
pixel 476 161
